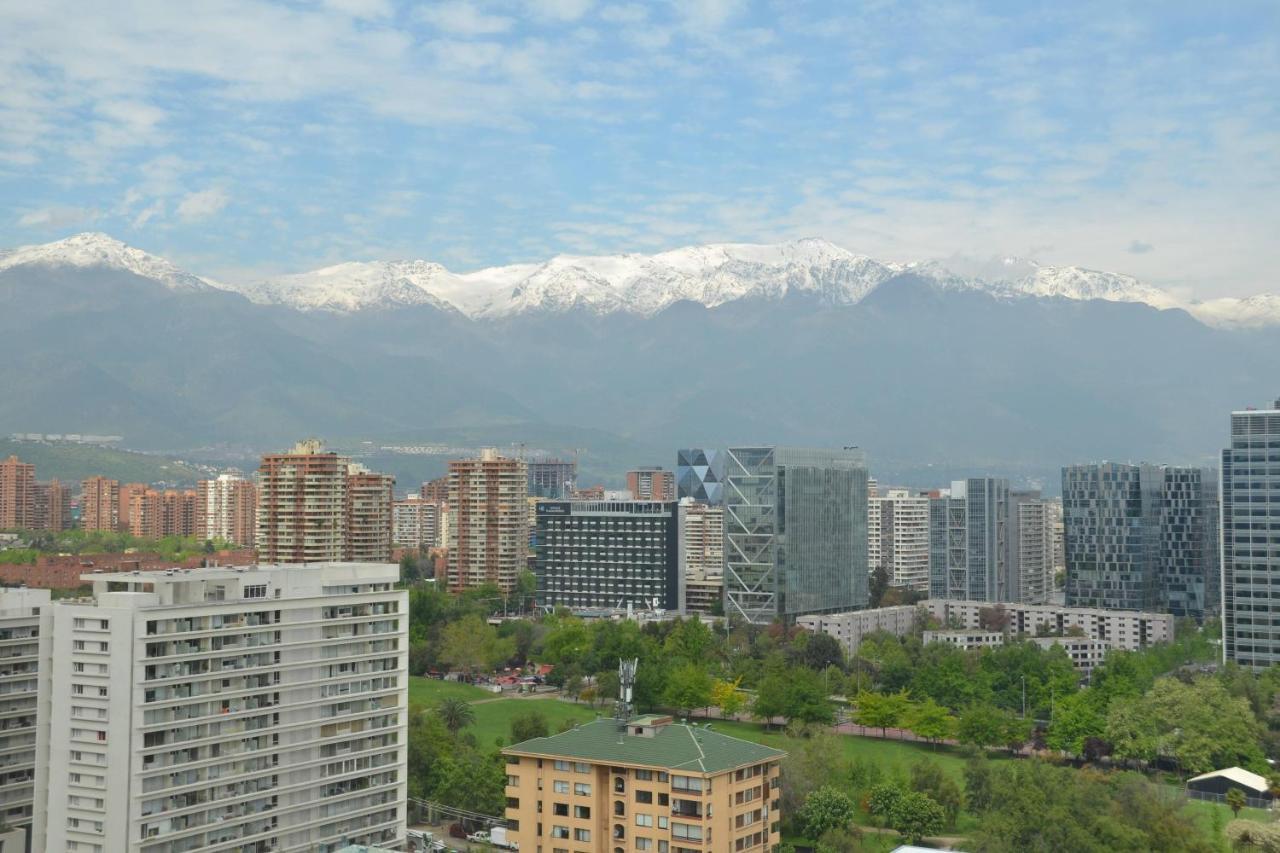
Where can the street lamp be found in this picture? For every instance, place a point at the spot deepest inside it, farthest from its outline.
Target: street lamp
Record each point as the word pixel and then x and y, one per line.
pixel 1024 696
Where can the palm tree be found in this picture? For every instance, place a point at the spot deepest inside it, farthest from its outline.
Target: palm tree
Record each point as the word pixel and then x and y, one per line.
pixel 456 713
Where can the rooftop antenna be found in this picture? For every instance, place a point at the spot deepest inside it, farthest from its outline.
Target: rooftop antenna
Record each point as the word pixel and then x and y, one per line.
pixel 626 684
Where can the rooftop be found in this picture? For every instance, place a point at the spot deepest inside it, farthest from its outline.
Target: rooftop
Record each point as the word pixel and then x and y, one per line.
pixel 677 746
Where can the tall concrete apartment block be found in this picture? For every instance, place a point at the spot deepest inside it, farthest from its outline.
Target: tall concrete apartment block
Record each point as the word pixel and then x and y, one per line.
pixel 1250 530
pixel 315 506
pixel 415 523
pixel 152 513
pixel 227 509
pixel 605 554
pixel 552 478
pixel 100 504
pixel 651 484
pixel 1031 542
pixel 224 710
pixel 969 541
pixel 17 493
pixel 488 525
pixel 701 556
pixel 52 506
pixel 370 497
pixel 898 538
pixel 20 615
pixel 795 532
pixel 1141 537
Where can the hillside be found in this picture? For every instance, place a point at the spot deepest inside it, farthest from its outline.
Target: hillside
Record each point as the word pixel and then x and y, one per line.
pixel 71 463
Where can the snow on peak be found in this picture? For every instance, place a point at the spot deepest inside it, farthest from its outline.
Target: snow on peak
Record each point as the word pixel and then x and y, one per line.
pixel 93 249
pixel 352 287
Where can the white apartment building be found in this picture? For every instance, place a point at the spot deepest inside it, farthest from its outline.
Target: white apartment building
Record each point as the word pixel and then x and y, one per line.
pixel 898 538
pixel 1123 629
pixel 415 523
pixel 20 611
pixel 1086 653
pixel 970 639
pixel 701 540
pixel 849 628
pixel 224 710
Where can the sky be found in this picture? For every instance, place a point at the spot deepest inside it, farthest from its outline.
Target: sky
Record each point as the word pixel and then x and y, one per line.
pixel 243 138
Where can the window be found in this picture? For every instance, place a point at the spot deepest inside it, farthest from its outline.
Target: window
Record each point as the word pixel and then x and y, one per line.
pixel 582 835
pixel 644 843
pixel 582 767
pixel 582 812
pixel 644 775
pixel 686 830
pixel 662 822
pixel 255 591
pixel 560 809
pixel 560 787
pixel 513 781
pixel 562 765
pixel 644 820
pixel 582 788
pixel 645 797
pixel 559 832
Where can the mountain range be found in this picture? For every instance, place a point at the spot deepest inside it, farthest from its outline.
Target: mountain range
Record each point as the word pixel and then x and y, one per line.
pixel 801 342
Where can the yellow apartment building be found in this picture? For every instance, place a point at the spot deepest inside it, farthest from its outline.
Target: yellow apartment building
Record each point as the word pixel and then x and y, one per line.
pixel 649 784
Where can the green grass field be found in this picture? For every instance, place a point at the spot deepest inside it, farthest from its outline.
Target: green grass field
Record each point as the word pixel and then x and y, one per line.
pixel 428 690
pixel 494 713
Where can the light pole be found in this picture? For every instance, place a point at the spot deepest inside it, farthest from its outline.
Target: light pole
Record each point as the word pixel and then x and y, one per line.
pixel 1024 696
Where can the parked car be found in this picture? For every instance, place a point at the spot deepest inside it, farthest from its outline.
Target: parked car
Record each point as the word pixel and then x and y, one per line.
pixel 456 831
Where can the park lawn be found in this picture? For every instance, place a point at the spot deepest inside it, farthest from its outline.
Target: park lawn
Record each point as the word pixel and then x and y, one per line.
pixel 1201 812
pixel 427 691
pixel 493 718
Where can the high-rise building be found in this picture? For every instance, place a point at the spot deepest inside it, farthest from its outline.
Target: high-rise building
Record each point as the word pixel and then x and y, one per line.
pixel 17 494
pixel 1030 564
pixel 369 500
pixel 100 504
pixel 608 554
pixel 701 540
pixel 968 541
pixel 1250 529
pixel 552 478
pixel 52 506
pixel 415 523
pixel 700 475
pixel 20 611
pixel 795 531
pixel 227 509
pixel 488 536
pixel 252 709
pixel 651 484
pixel 436 490
pixel 151 513
pixel 898 538
pixel 125 513
pixel 302 505
pixel 1141 537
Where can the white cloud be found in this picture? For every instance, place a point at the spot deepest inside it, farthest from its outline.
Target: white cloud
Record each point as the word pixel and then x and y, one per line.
pixel 151 211
pixel 363 9
pixel 462 18
pixel 57 217
pixel 561 10
pixel 202 204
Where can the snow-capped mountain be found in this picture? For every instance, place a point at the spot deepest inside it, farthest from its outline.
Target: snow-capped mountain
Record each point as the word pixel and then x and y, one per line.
pixel 93 249
pixel 644 285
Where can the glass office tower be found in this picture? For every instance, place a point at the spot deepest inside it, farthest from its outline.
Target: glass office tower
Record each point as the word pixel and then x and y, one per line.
pixel 795 531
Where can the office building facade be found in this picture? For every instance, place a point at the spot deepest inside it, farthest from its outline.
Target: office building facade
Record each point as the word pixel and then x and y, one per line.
pixel 1141 537
pixel 969 541
pixel 215 709
pixel 700 475
pixel 1250 531
pixel 608 554
pixel 488 521
pixel 795 532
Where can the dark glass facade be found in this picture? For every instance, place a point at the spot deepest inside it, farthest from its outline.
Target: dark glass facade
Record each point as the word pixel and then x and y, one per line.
pixel 605 554
pixel 700 475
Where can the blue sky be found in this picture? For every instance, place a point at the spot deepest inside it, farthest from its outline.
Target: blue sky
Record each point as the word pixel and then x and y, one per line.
pixel 242 138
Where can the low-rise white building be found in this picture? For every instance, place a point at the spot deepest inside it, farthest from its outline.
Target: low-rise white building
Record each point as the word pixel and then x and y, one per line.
pixel 849 628
pixel 965 639
pixel 1086 653
pixel 1122 629
pixel 248 709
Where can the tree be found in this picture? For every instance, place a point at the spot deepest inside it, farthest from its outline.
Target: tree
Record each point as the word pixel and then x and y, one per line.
pixel 528 725
pixel 839 841
pixel 882 710
pixel 473 782
pixel 688 687
pixel 983 726
pixel 1077 720
pixel 879 584
pixel 915 816
pixel 810 763
pixel 471 643
pixel 726 696
pixel 1250 834
pixel 927 778
pixel 798 696
pixel 978 785
pixel 456 713
pixel 1236 801
pixel 930 721
pixel 825 809
pixel 993 618
pixel 882 799
pixel 820 650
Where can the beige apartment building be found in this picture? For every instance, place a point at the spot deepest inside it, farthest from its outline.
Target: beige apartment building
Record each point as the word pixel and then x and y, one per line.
pixel 646 784
pixel 227 509
pixel 489 521
pixel 99 504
